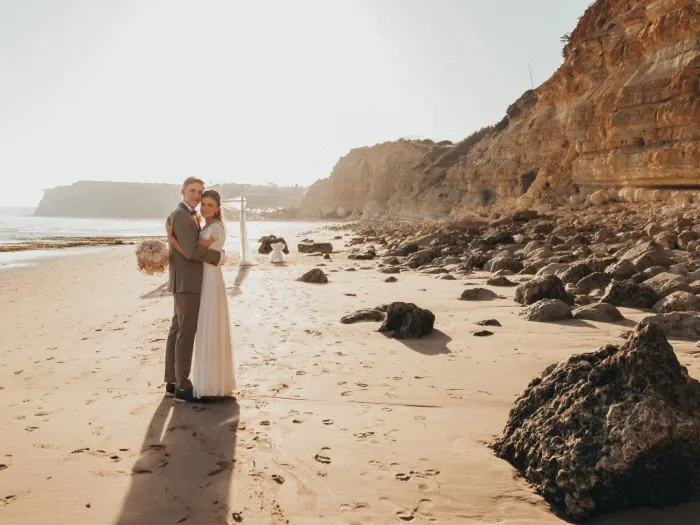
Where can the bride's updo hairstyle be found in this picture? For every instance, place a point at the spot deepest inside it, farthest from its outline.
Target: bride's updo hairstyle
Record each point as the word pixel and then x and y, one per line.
pixel 213 194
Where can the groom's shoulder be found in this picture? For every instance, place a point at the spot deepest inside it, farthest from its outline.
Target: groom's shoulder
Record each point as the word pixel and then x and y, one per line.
pixel 179 210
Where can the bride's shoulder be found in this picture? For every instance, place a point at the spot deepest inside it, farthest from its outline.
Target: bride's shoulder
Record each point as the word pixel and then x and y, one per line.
pixel 219 227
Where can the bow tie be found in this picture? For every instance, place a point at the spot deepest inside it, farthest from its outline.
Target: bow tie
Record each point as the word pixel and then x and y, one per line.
pixel 192 212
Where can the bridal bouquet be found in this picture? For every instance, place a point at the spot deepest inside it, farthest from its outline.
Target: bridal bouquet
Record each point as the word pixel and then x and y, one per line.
pixel 152 256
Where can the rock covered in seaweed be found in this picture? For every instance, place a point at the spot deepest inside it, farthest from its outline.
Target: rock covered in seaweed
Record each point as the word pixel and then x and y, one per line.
pixel 547 287
pixel 407 321
pixel 616 428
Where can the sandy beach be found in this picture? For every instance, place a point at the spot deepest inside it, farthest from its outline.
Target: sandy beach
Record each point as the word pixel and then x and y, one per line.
pixel 333 424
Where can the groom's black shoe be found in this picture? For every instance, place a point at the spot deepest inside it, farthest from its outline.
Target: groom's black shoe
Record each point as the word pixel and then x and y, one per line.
pixel 170 389
pixel 183 395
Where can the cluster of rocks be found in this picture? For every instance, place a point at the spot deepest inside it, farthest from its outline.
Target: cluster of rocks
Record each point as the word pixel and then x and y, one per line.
pixel 622 255
pixel 616 428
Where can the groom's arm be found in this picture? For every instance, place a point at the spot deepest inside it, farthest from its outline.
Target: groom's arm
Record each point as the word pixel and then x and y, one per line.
pixel 188 237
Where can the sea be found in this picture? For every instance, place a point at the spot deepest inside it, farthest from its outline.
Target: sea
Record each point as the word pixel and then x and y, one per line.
pixel 20 226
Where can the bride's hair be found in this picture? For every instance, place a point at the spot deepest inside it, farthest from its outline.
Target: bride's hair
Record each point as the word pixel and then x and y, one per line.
pixel 213 194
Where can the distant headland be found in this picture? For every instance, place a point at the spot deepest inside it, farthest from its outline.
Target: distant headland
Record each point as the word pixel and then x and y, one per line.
pixel 143 200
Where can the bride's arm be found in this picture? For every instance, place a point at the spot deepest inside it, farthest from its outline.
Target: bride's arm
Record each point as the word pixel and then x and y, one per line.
pixel 207 242
pixel 172 240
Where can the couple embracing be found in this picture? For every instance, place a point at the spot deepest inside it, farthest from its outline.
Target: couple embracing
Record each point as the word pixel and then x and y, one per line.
pixel 200 324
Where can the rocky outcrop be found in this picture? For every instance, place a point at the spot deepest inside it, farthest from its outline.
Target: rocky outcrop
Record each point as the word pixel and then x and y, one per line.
pixel 618 120
pixel 407 321
pixel 612 429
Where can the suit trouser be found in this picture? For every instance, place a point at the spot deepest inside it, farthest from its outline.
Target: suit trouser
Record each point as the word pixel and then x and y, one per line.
pixel 178 351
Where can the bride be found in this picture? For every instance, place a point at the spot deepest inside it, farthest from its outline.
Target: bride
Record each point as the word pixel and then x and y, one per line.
pixel 212 368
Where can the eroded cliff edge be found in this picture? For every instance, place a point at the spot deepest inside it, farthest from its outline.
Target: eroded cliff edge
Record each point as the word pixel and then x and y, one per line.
pixel 622 112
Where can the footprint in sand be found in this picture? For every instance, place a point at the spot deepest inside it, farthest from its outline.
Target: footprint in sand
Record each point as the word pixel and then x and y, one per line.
pixel 7 500
pixel 323 457
pixel 402 477
pixel 328 421
pixel 405 515
pixel 422 509
pixel 455 393
pixel 355 506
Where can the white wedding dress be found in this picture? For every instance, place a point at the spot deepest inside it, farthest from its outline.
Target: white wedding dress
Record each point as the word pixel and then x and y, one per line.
pixel 213 367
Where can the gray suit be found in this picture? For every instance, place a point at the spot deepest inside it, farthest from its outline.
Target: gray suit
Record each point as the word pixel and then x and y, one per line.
pixel 185 283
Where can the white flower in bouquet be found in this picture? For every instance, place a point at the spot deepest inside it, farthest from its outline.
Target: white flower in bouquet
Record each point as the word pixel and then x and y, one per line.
pixel 152 256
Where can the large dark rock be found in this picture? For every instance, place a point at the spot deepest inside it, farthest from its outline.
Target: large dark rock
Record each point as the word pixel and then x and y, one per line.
pixel 616 428
pixel 621 270
pixel 500 280
pixel 592 282
pixel 363 255
pixel 575 273
pixel 315 247
pixel 314 276
pixel 647 274
pixel 683 325
pixel 603 312
pixel 503 262
pixel 630 294
pixel 365 315
pixel 648 254
pixel 405 250
pixel 678 302
pixel 686 237
pixel 421 258
pixel 407 321
pixel 267 241
pixel 548 287
pixel 666 283
pixel 478 294
pixel 476 259
pixel 546 310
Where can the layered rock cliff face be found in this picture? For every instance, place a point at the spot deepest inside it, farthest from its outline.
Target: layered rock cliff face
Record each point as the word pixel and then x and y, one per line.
pixel 623 111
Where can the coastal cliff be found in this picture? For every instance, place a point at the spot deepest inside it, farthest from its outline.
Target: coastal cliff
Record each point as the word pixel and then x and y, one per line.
pixel 622 113
pixel 138 200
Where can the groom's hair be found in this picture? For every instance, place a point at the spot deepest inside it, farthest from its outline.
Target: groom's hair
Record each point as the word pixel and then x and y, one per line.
pixel 192 180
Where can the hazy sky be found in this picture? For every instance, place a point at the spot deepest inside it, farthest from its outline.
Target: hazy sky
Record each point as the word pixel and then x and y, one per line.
pixel 252 91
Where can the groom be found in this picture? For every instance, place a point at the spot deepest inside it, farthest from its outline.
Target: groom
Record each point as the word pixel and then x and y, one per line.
pixel 185 283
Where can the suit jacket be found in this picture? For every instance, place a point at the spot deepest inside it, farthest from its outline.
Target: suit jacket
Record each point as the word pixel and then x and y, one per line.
pixel 186 272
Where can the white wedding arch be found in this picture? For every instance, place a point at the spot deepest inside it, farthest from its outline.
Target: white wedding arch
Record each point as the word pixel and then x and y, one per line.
pixel 239 204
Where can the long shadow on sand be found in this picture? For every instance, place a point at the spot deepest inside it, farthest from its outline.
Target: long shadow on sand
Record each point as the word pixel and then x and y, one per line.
pixel 161 291
pixel 241 276
pixel 433 344
pixel 185 467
